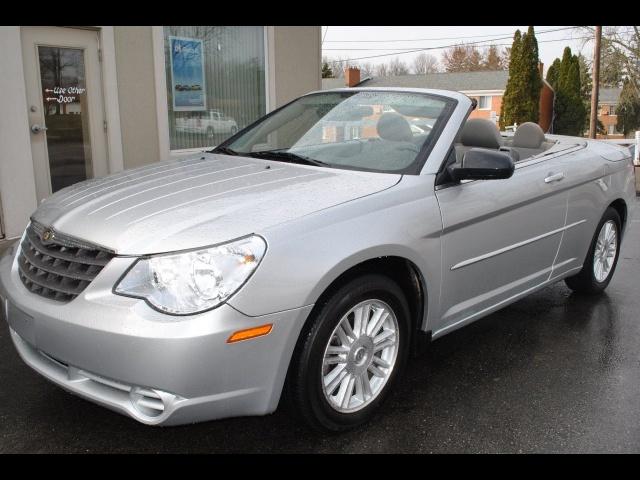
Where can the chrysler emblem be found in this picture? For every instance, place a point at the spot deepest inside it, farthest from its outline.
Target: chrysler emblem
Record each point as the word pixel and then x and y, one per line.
pixel 47 235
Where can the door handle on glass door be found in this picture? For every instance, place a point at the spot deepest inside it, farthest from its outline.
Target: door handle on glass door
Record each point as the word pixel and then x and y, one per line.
pixel 555 177
pixel 35 128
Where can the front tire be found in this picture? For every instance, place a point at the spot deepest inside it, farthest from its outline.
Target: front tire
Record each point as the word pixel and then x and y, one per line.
pixel 601 261
pixel 352 354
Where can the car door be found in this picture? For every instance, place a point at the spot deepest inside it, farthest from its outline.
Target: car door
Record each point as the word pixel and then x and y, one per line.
pixel 499 239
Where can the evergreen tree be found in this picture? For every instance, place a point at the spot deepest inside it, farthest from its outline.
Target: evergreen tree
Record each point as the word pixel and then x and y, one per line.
pixel 521 100
pixel 569 111
pixel 585 88
pixel 553 72
pixel 326 71
pixel 533 82
pixel 628 109
pixel 564 66
pixel 509 107
pixel 585 77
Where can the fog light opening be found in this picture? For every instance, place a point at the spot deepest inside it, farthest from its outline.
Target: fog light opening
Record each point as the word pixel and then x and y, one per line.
pixel 147 402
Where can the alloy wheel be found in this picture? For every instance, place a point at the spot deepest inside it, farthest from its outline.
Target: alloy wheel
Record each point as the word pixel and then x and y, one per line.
pixel 360 356
pixel 605 251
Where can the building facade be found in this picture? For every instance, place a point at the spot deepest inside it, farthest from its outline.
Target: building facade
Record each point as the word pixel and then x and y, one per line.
pixel 90 101
pixel 608 99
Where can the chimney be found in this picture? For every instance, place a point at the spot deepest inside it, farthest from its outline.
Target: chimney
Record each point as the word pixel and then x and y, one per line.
pixel 352 76
pixel 541 69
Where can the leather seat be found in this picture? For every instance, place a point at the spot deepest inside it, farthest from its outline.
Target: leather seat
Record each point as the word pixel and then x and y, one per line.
pixel 394 127
pixel 481 133
pixel 395 147
pixel 529 140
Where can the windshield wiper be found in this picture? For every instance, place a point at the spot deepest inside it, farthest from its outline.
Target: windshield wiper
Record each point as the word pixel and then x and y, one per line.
pixel 287 156
pixel 224 150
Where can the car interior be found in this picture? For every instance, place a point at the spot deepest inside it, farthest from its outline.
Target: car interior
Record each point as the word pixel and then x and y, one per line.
pixel 394 147
pixel 391 143
pixel 527 141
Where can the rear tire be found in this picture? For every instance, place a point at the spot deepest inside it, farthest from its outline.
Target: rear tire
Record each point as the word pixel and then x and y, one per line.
pixel 333 361
pixel 601 261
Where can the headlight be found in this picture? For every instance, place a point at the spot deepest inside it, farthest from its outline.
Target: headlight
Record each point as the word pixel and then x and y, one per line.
pixel 193 281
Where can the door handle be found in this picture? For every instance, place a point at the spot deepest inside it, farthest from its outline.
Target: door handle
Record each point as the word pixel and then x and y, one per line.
pixel 35 128
pixel 556 177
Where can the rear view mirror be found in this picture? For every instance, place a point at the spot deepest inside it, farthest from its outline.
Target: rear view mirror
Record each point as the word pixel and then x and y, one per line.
pixel 483 164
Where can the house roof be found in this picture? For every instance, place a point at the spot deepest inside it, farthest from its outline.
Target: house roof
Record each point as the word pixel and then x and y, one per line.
pixel 458 81
pixel 609 95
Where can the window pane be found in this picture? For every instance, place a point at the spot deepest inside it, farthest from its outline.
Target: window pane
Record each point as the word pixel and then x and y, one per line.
pixel 484 102
pixel 215 82
pixel 64 95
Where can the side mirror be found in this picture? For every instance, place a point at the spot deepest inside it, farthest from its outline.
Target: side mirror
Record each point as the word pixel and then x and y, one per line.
pixel 482 164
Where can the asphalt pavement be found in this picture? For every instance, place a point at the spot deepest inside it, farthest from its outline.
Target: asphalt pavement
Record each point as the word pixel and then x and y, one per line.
pixel 554 372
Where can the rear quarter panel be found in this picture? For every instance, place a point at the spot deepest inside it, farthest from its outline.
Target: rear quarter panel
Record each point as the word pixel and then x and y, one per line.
pixel 596 176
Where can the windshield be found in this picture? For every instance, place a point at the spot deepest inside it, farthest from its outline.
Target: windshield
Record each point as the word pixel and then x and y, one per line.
pixel 365 130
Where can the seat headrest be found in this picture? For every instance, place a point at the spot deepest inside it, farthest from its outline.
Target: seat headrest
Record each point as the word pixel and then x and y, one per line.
pixel 528 135
pixel 394 127
pixel 478 132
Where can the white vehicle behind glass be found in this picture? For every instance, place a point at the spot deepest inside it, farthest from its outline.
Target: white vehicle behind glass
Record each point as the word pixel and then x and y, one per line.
pixel 209 122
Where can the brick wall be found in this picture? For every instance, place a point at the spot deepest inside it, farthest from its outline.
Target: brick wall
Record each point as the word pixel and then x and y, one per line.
pixel 608 119
pixel 546 107
pixel 496 104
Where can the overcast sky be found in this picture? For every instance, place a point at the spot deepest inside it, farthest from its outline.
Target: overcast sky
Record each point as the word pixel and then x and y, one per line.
pixel 347 41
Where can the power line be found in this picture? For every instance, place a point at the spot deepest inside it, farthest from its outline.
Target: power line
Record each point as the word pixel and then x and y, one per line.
pixel 424 49
pixel 477 42
pixel 405 50
pixel 433 38
pixel 452 45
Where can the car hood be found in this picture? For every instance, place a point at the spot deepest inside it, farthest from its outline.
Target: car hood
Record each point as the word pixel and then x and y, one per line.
pixel 198 201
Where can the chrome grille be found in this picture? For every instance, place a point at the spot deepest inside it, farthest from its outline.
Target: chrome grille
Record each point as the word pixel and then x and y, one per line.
pixel 59 269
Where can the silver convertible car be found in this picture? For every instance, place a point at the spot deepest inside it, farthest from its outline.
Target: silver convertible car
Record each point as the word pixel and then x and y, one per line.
pixel 306 257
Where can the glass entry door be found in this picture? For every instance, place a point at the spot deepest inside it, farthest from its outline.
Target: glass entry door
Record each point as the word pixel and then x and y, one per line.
pixel 64 97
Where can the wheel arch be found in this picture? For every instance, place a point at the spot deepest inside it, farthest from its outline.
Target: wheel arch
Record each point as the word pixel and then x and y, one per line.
pixel 400 269
pixel 620 206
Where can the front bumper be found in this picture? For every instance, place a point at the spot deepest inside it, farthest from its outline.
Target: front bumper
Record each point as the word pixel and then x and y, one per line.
pixel 118 352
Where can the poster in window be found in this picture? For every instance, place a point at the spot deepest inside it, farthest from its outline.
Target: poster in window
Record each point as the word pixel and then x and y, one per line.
pixel 187 74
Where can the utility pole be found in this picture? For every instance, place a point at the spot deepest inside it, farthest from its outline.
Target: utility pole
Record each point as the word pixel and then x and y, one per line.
pixel 593 120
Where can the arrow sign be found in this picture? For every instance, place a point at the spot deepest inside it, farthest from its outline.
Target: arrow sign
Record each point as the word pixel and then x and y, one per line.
pixel 48 99
pixel 48 90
